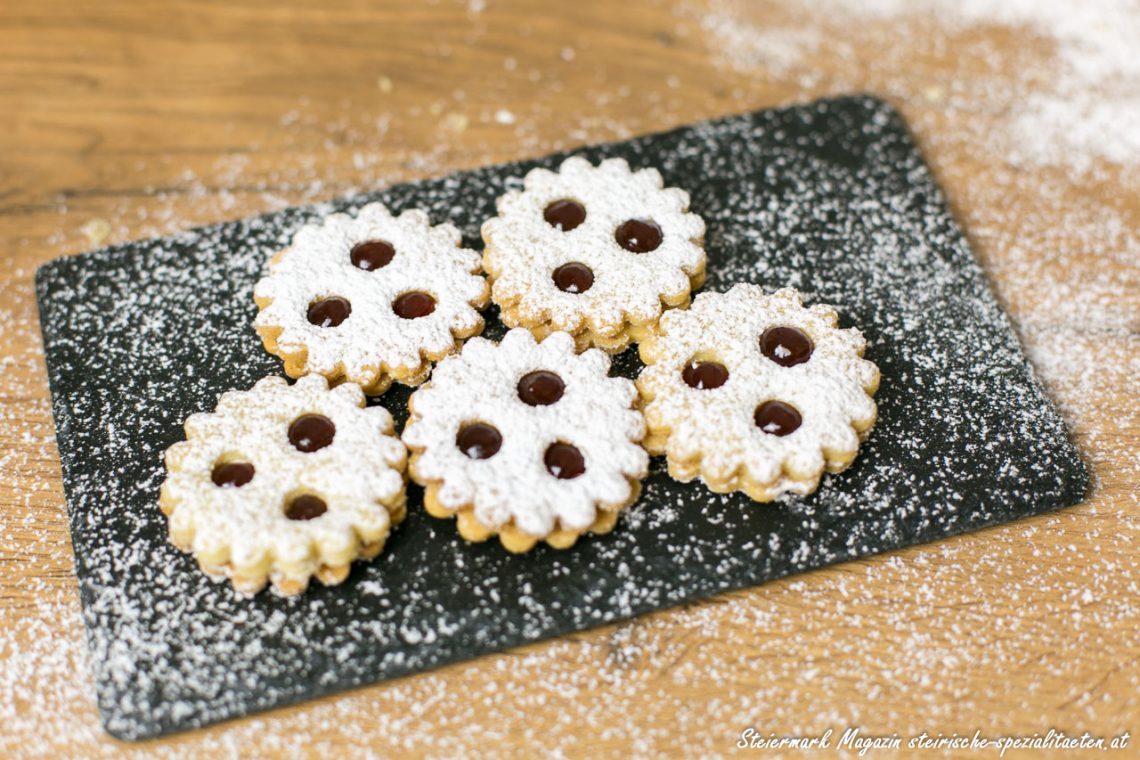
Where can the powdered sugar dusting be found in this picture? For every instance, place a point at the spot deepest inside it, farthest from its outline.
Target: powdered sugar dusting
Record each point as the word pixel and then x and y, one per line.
pixel 594 414
pixel 374 342
pixel 358 476
pixel 715 427
pixel 523 250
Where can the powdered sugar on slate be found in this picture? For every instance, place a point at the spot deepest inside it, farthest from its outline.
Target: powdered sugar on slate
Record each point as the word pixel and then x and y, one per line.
pixel 822 197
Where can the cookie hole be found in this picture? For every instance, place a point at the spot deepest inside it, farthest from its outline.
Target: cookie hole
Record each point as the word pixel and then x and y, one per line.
pixel 564 461
pixel 329 312
pixel 777 418
pixel 305 506
pixel 639 235
pixel 413 305
pixel 574 277
pixel 311 432
pixel 787 346
pixel 704 374
pixel 565 214
pixel 372 254
pixel 231 473
pixel 479 440
pixel 540 388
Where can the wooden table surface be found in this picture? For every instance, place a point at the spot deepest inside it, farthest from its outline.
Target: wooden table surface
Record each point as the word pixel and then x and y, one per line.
pixel 120 120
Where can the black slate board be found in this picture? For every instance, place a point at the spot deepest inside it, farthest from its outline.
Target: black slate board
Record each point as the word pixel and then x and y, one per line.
pixel 830 197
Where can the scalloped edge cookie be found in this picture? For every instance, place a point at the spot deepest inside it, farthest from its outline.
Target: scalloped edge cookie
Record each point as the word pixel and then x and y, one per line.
pixel 244 533
pixel 379 347
pixel 711 433
pixel 512 493
pixel 628 291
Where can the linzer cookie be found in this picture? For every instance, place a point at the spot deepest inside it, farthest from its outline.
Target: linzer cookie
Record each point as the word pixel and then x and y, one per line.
pixel 756 393
pixel 282 483
pixel 528 440
pixel 598 252
pixel 370 299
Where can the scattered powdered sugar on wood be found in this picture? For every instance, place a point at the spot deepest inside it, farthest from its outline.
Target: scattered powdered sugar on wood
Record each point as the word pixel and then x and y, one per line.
pixel 1079 111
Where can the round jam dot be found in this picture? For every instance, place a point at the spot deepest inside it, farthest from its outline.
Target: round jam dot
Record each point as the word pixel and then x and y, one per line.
pixel 573 278
pixel 311 432
pixel 372 254
pixel 564 461
pixel 638 235
pixel 413 305
pixel 329 312
pixel 479 440
pixel 232 474
pixel 786 346
pixel 541 388
pixel 305 507
pixel 777 418
pixel 704 376
pixel 565 214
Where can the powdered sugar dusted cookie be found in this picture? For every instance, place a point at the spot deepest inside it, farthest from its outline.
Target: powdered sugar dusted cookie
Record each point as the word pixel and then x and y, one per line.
pixel 755 392
pixel 281 483
pixel 528 440
pixel 371 298
pixel 594 251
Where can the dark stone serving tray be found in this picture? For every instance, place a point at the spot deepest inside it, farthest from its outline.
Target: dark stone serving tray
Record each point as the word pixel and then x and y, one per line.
pixel 831 197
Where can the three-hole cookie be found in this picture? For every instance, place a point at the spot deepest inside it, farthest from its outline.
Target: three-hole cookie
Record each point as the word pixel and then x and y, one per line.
pixel 285 482
pixel 755 392
pixel 526 439
pixel 598 252
pixel 370 299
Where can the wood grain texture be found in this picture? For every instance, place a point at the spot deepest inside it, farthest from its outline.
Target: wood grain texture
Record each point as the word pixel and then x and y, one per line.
pixel 120 120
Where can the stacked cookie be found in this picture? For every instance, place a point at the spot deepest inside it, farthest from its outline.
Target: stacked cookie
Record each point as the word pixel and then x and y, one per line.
pixel 529 439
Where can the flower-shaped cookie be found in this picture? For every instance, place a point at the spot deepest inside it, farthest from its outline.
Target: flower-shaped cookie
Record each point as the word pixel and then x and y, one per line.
pixel 755 392
pixel 371 298
pixel 528 440
pixel 281 483
pixel 594 251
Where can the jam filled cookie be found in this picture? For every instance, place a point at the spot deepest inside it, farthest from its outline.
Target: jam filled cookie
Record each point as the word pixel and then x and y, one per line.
pixel 755 392
pixel 528 440
pixel 597 252
pixel 371 298
pixel 281 483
